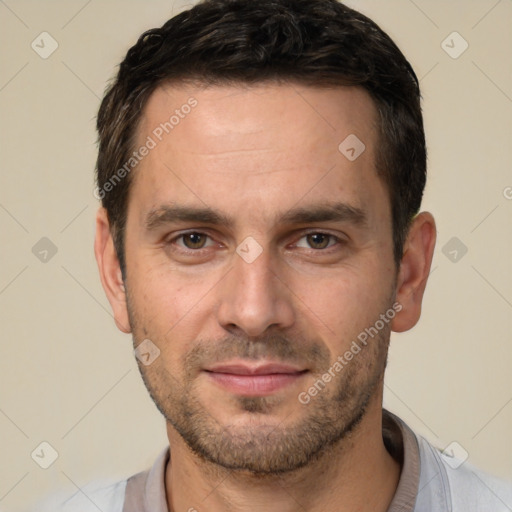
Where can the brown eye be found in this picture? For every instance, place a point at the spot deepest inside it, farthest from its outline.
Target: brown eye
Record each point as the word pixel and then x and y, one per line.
pixel 194 240
pixel 318 240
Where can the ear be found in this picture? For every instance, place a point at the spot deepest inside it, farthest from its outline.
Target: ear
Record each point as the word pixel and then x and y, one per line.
pixel 110 271
pixel 414 271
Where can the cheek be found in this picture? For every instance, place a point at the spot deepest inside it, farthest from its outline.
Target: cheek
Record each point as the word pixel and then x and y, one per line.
pixel 343 303
pixel 155 301
pixel 168 305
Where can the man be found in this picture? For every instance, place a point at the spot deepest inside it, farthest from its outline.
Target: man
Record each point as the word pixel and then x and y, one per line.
pixel 261 167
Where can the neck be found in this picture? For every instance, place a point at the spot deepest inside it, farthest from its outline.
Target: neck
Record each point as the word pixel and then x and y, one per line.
pixel 356 474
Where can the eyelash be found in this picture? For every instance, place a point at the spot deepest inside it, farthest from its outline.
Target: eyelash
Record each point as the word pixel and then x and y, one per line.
pixel 333 241
pixel 181 236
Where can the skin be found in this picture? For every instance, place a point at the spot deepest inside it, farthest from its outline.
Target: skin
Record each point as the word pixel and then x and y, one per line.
pixel 252 155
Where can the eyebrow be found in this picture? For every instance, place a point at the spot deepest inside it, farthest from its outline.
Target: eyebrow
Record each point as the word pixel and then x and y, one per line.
pixel 166 214
pixel 330 212
pixel 334 212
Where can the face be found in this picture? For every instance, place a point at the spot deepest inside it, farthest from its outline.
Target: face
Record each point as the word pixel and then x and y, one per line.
pixel 257 253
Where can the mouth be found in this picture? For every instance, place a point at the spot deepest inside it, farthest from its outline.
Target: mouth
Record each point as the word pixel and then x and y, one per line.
pixel 254 380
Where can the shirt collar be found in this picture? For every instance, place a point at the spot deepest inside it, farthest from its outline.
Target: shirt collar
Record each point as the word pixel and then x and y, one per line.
pixel 400 441
pixel 402 444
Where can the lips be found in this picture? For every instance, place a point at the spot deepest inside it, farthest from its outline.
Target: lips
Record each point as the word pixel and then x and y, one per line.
pixel 262 369
pixel 254 380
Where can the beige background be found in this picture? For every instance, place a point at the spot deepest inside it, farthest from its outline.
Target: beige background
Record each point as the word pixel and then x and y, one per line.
pixel 68 376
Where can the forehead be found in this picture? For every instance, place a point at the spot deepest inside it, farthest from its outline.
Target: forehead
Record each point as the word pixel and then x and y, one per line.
pixel 268 145
pixel 242 112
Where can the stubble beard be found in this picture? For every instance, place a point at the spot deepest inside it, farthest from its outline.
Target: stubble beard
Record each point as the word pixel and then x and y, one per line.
pixel 258 447
pixel 261 448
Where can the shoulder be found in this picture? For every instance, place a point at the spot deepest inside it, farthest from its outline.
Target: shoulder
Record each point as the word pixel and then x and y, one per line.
pixel 95 496
pixel 473 489
pixel 466 488
pixel 101 496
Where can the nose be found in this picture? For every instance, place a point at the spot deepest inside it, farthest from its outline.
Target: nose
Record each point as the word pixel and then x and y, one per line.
pixel 254 298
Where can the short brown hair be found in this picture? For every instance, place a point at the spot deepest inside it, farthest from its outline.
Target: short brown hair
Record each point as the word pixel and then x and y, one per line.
pixel 320 43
